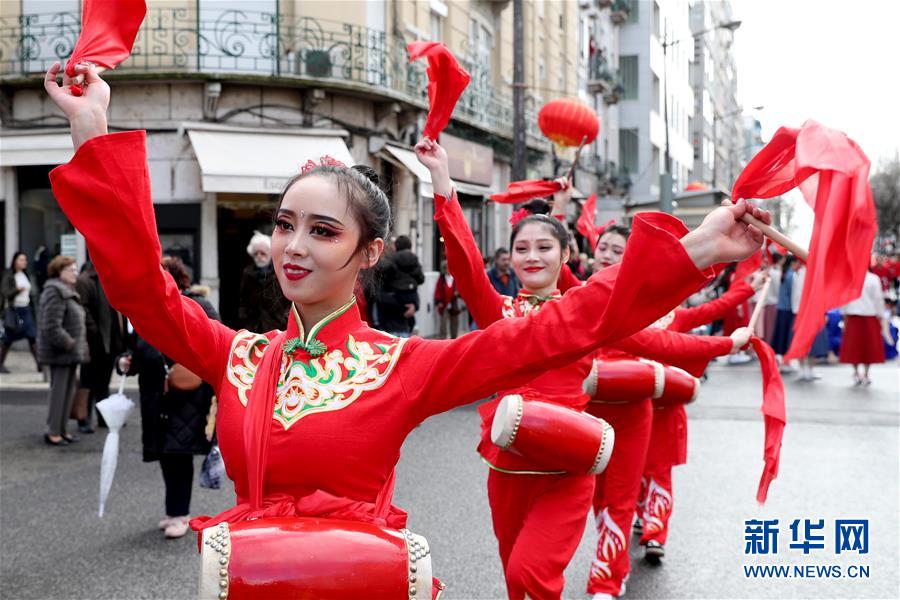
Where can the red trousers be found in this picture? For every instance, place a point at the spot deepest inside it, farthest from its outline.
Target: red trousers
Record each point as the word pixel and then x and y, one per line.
pixel 617 492
pixel 538 521
pixel 668 447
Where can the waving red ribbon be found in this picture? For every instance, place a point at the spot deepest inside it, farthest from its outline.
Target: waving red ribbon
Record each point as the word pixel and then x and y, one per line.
pixel 446 82
pixel 108 30
pixel 523 191
pixel 774 416
pixel 832 172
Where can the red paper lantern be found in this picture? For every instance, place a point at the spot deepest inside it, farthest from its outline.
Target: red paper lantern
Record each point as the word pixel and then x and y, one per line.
pixel 566 122
pixel 696 186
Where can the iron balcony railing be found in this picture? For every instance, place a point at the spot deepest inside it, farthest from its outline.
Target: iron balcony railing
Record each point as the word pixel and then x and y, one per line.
pixel 255 43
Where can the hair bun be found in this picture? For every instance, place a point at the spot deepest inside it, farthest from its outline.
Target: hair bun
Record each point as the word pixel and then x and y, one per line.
pixel 537 206
pixel 369 173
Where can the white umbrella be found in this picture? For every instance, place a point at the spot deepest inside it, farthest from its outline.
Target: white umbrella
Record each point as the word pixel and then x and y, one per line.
pixel 115 410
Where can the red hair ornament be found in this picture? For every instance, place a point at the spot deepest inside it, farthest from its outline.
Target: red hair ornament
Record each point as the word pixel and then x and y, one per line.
pixel 324 161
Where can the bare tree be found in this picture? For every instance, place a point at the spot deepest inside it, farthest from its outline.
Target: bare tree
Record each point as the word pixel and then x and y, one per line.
pixel 885 184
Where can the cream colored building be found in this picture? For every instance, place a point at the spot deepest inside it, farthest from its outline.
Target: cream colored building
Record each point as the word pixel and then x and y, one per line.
pixel 235 95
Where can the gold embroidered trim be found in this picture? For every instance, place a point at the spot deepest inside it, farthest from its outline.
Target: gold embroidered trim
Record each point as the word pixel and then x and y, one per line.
pixel 334 380
pixel 246 351
pixel 510 472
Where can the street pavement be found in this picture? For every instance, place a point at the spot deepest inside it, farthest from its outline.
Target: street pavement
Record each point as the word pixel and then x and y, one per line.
pixel 839 460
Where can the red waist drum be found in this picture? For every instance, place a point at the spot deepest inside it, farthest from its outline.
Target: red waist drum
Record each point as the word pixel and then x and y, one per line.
pixel 553 436
pixel 680 388
pixel 325 559
pixel 625 380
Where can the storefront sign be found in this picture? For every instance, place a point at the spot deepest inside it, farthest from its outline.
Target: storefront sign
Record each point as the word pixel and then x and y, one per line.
pixel 469 161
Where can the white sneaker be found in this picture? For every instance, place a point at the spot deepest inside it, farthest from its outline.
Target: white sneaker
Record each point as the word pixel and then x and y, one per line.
pixel 603 597
pixel 163 523
pixel 738 359
pixel 177 528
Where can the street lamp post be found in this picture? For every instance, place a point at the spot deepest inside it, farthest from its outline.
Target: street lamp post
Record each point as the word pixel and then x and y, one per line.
pixel 665 178
pixel 718 117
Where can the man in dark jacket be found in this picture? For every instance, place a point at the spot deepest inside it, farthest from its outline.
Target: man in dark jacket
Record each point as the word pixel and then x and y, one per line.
pixel 106 332
pixel 501 275
pixel 401 275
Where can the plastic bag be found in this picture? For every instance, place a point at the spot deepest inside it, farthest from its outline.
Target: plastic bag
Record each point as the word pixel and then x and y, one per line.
pixel 213 471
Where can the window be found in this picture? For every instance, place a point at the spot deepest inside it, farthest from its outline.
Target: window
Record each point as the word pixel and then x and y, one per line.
pixel 633 12
pixel 656 30
pixel 656 96
pixel 628 149
pixel 481 41
pixel 541 73
pixel 628 67
pixel 437 27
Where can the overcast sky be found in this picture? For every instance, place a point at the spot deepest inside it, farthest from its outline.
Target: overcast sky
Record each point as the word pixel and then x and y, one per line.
pixel 837 62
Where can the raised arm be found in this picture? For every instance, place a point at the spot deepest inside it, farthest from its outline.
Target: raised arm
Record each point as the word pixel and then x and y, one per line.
pixel 105 192
pixel 465 264
pixel 512 352
pixel 463 256
pixel 697 316
pixel 689 352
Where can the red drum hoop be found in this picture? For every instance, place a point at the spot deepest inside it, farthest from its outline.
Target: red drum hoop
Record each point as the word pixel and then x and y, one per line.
pixel 680 388
pixel 553 436
pixel 305 557
pixel 625 380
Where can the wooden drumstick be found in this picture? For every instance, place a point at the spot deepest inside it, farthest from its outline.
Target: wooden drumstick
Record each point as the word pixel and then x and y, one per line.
pixel 772 233
pixel 757 310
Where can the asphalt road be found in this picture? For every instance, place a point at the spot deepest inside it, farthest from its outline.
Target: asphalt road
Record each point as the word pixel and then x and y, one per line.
pixel 839 460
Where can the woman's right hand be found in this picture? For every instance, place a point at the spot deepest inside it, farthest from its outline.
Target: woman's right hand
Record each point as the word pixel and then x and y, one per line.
pixel 434 158
pixel 86 113
pixel 740 337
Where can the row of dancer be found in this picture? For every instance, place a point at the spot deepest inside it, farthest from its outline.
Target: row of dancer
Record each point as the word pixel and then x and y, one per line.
pixel 539 515
pixel 311 419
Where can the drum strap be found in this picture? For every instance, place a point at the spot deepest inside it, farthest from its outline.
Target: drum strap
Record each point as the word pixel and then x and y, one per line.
pixel 257 421
pixel 257 426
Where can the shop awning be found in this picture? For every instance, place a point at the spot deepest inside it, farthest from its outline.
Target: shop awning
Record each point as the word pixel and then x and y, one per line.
pixel 248 160
pixel 407 159
pixel 21 148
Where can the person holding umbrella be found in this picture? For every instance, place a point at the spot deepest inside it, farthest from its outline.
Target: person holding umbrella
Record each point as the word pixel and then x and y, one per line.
pixel 175 406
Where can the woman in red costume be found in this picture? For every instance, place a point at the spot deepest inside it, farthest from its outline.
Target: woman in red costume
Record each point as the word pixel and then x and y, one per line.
pixel 311 419
pixel 538 515
pixel 618 488
pixel 668 439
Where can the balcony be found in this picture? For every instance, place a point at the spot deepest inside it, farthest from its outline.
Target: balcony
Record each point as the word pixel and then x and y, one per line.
pixel 602 79
pixel 619 11
pixel 243 44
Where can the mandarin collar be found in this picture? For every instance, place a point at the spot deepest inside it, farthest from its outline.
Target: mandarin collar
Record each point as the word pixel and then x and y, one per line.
pixel 325 335
pixel 535 299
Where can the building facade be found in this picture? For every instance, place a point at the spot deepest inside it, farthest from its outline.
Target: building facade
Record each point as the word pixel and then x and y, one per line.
pixel 717 128
pixel 656 49
pixel 235 96
pixel 601 88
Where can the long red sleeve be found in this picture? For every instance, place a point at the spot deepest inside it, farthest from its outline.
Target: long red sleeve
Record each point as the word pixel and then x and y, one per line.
pixel 105 192
pixel 512 352
pixel 465 264
pixel 689 352
pixel 689 318
pixel 567 280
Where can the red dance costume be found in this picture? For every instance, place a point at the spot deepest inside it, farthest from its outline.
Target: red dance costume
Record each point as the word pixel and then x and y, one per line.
pixel 619 487
pixel 344 396
pixel 538 515
pixel 668 439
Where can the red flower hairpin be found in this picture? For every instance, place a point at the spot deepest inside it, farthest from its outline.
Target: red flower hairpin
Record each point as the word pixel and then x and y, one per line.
pixel 324 161
pixel 518 215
